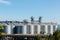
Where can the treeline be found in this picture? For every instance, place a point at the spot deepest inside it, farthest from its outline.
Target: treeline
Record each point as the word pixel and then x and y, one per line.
pixel 55 36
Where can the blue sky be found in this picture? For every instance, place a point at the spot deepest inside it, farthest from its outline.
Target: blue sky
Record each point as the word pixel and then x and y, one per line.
pixel 24 9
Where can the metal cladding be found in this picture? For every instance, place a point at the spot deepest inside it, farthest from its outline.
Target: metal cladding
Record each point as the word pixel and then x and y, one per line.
pixel 26 27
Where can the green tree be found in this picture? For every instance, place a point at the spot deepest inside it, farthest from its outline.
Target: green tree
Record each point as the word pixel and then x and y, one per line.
pixel 38 38
pixel 56 35
pixel 2 30
pixel 42 32
pixel 50 37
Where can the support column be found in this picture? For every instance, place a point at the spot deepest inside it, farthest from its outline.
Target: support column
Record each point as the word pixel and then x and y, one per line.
pixel 32 29
pixel 8 29
pixel 56 27
pixel 46 29
pixel 51 29
pixel 24 29
pixel 38 29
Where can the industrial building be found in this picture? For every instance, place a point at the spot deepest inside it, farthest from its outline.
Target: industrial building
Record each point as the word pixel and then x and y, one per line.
pixel 28 28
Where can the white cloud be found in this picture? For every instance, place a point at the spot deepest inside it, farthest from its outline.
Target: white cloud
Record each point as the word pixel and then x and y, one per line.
pixel 5 2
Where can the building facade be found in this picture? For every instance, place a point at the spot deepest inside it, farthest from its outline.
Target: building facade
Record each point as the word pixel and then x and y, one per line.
pixel 29 28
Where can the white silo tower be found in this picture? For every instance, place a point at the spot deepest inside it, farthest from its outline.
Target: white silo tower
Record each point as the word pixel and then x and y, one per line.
pixel 8 30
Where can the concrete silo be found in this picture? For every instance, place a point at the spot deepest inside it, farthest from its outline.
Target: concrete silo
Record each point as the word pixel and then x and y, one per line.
pixel 8 29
